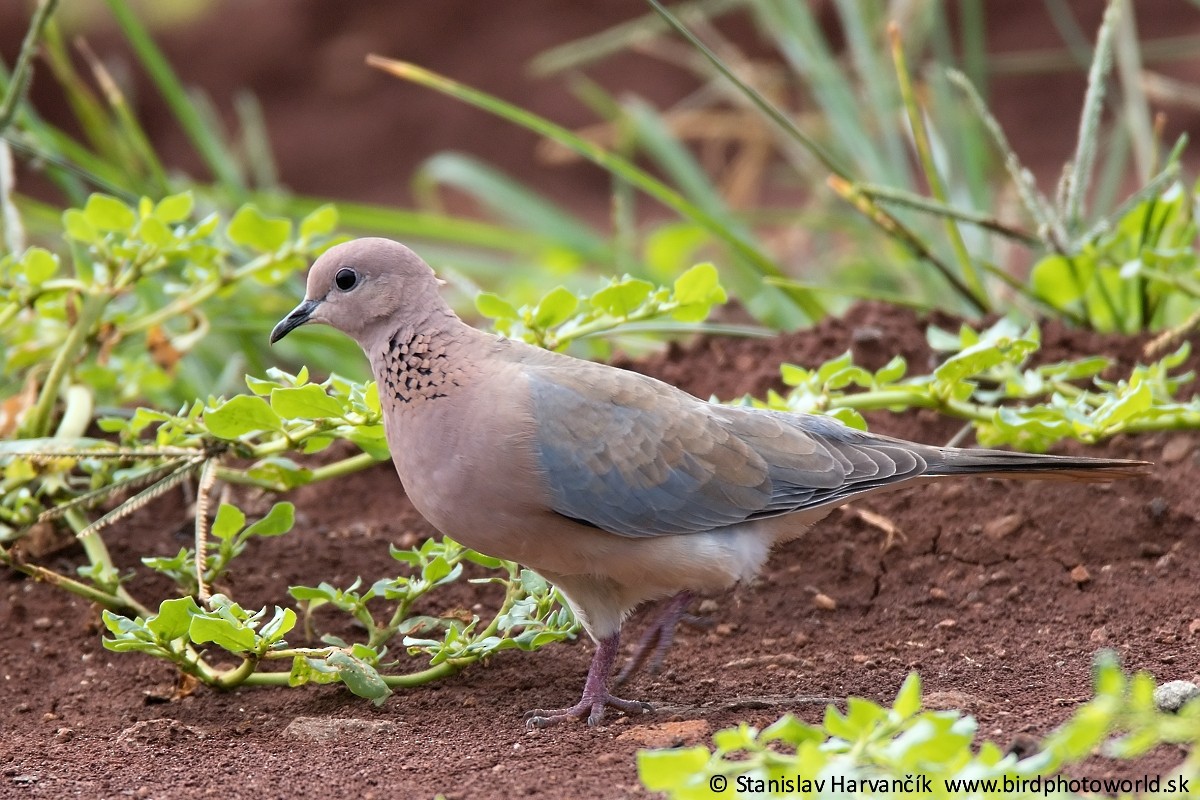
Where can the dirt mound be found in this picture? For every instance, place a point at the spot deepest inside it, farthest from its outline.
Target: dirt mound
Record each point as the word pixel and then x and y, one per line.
pixel 983 594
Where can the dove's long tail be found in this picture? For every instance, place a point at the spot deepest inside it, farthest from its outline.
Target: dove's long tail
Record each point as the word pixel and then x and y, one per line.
pixel 952 461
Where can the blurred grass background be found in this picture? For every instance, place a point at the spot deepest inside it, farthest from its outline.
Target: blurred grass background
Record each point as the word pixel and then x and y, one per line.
pixel 292 117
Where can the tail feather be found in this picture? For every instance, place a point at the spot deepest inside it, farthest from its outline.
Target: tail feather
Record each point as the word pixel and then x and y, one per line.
pixel 948 462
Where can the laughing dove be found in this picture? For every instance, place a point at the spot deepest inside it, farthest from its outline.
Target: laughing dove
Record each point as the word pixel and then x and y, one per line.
pixel 616 487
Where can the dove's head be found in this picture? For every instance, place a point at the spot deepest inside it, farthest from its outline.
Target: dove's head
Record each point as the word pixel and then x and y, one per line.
pixel 364 286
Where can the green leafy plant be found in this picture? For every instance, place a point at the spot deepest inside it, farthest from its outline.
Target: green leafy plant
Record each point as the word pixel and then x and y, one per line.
pixel 986 378
pixel 114 323
pixel 624 307
pixel 904 749
pixel 528 617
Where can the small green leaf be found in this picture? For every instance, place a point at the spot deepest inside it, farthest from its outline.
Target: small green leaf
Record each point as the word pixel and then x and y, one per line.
pixel 1060 281
pixel 493 306
pixel 105 213
pixel 174 208
pixel 241 415
pixel 278 520
pixel 663 770
pixel 320 222
pixel 300 673
pixel 309 402
pixel 278 626
pixel 39 265
pixel 323 592
pixel 173 619
pixel 908 700
pixel 790 730
pixel 222 632
pixel 359 677
pixel 892 371
pixel 153 231
pixel 699 285
pixel 76 224
pixel 436 569
pixel 228 522
pixel 849 417
pixel 555 308
pixel 482 560
pixel 260 386
pixel 622 298
pixel 251 228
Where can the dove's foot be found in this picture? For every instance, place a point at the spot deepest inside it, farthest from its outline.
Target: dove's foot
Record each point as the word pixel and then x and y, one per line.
pixel 596 696
pixel 590 707
pixel 657 640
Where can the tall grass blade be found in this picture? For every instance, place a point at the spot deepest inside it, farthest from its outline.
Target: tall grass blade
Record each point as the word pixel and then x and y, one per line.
pixel 579 53
pixel 512 202
pixel 1078 178
pixel 18 82
pixel 208 144
pixel 933 176
pixel 256 143
pixel 766 106
pixel 761 264
pixel 1138 117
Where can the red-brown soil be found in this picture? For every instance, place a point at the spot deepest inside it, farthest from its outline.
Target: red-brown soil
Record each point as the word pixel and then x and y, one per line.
pixel 977 595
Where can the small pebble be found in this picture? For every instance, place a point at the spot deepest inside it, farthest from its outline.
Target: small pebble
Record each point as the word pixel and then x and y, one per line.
pixel 824 602
pixel 1080 575
pixel 1001 527
pixel 1176 450
pixel 946 623
pixel 64 735
pixel 937 594
pixel 1172 695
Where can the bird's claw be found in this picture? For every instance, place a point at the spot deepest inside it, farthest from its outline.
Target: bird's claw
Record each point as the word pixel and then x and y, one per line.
pixel 592 708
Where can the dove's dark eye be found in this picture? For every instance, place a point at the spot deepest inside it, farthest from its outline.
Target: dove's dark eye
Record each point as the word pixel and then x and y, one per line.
pixel 346 279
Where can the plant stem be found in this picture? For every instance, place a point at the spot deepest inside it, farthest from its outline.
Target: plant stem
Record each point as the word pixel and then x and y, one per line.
pixel 920 203
pixel 37 425
pixel 406 681
pixel 109 600
pixel 1078 179
pixel 24 67
pixel 898 231
pixel 903 398
pixel 338 469
pixel 236 676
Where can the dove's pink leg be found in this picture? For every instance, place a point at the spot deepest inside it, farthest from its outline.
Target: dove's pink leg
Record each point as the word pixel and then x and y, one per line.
pixel 595 693
pixel 657 639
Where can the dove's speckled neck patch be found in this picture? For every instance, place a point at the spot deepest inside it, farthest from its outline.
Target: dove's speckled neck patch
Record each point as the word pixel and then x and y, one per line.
pixel 415 368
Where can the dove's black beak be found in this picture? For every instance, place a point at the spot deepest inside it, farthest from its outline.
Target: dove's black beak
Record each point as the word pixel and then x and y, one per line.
pixel 300 315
